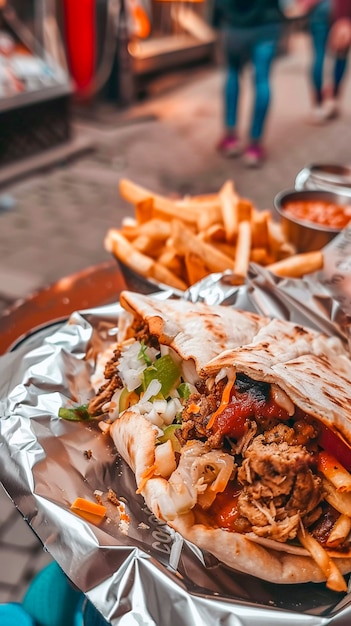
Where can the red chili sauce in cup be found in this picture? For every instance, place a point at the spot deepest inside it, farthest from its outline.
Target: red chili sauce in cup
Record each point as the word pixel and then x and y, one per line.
pixel 320 212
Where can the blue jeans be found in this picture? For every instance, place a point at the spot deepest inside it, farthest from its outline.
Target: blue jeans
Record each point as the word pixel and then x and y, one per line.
pixel 319 25
pixel 257 46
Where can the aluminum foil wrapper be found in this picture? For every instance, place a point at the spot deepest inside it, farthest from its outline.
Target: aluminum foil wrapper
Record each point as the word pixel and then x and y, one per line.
pixel 336 275
pixel 137 571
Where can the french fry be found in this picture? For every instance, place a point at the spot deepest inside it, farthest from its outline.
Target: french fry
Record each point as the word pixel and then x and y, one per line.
pixel 187 215
pixel 245 210
pixel 181 240
pixel 285 250
pixel 195 268
pixel 206 219
pixel 243 248
pixel 334 471
pixel 215 232
pixel 143 210
pixel 124 251
pixel 259 221
pixel 199 204
pixel 161 207
pixel 334 578
pixel 147 245
pixel 298 265
pixel 164 275
pixel 210 199
pixel 340 501
pixel 170 258
pixel 136 193
pixel 186 241
pixel 227 249
pixel 275 234
pixel 260 256
pixel 229 207
pixel 339 532
pixel 156 229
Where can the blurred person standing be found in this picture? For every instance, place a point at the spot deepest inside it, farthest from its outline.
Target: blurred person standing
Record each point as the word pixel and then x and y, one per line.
pixel 250 33
pixel 339 44
pixel 322 16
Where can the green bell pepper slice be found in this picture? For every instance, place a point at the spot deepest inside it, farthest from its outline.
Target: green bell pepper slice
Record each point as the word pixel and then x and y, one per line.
pixel 166 371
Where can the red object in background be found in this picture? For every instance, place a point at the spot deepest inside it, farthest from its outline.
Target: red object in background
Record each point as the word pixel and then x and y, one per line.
pixel 80 31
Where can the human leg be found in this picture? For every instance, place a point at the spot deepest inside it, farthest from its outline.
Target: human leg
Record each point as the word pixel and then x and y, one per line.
pixel 229 145
pixel 332 102
pixel 319 28
pixel 231 96
pixel 340 67
pixel 323 107
pixel 233 44
pixel 263 54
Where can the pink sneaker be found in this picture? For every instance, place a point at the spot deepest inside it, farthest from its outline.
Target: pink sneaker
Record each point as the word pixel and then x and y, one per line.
pixel 229 146
pixel 254 155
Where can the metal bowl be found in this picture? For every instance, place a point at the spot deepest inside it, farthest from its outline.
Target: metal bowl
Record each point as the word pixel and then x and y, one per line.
pixel 328 177
pixel 305 235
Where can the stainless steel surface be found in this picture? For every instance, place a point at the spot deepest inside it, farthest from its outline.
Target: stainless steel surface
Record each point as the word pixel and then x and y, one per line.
pixel 329 177
pixel 305 235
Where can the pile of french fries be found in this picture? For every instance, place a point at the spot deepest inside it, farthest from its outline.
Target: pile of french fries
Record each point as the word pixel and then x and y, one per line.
pixel 178 242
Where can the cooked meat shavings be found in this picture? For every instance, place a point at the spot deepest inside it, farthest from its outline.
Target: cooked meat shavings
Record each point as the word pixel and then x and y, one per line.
pixel 106 391
pixel 112 497
pixel 140 331
pixel 279 486
pixel 323 526
pixel 196 415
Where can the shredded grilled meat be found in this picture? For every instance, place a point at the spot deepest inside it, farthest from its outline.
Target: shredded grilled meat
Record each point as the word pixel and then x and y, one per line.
pixel 280 487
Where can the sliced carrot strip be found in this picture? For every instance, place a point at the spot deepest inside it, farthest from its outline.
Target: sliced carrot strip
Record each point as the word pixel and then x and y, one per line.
pixel 194 408
pixel 149 472
pixel 224 402
pixel 86 506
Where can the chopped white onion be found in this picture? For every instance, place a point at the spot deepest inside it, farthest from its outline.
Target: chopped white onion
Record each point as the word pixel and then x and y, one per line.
pixel 165 459
pixel 189 371
pixel 113 410
pixel 153 388
pixel 132 378
pixel 282 399
pixel 160 406
pixel 144 407
pixel 223 372
pixel 154 418
pixel 173 407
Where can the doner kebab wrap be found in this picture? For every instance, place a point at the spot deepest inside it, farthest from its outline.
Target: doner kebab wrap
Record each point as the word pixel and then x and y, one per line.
pixel 238 430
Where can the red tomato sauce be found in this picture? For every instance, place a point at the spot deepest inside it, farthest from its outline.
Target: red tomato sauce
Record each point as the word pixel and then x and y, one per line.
pixel 320 212
pixel 233 420
pixel 224 510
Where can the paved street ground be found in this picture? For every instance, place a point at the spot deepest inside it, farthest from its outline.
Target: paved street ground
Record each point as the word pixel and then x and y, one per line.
pixel 53 223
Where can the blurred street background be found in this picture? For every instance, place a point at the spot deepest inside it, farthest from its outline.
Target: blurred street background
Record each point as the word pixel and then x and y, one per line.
pixel 56 205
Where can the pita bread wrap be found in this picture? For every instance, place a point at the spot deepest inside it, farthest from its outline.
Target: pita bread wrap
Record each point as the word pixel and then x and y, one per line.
pixel 249 439
pixel 196 332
